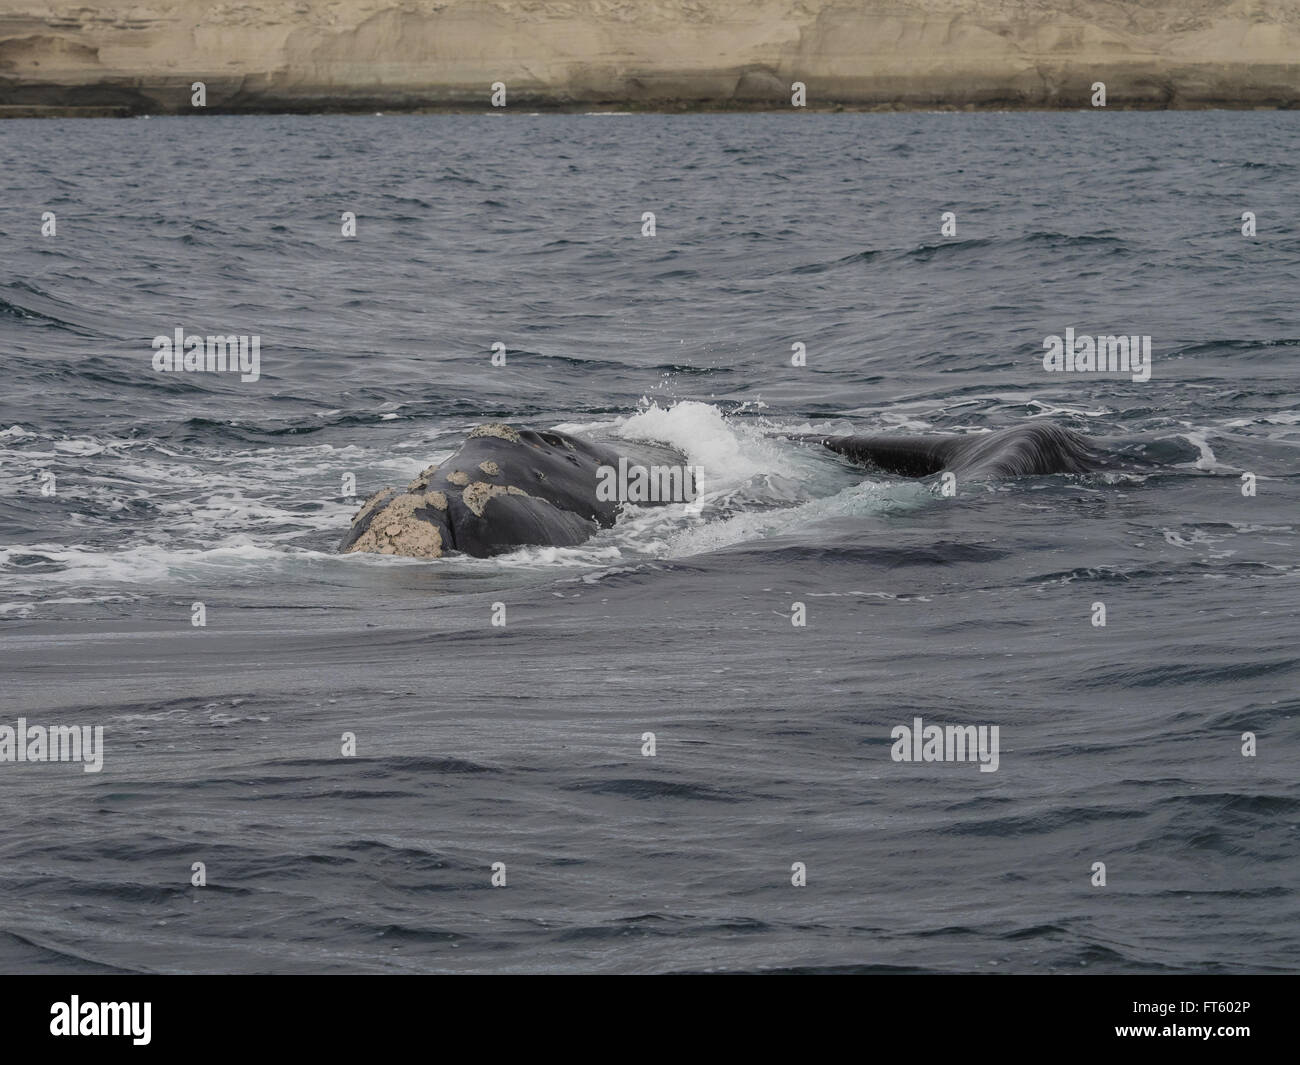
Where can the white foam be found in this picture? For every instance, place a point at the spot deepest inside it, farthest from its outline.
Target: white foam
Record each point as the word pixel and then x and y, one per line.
pixel 729 452
pixel 149 562
pixel 1206 460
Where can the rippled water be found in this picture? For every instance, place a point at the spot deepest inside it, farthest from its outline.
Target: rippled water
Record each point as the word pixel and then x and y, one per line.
pixel 522 744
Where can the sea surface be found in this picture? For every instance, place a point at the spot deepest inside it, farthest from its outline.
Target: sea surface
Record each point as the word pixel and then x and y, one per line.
pixel 135 503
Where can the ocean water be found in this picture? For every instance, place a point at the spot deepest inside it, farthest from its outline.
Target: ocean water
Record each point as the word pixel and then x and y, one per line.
pixel 128 496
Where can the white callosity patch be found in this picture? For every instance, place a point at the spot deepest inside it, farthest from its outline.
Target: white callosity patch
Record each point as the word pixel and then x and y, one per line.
pixel 397 530
pixel 497 429
pixel 370 504
pixel 477 494
pixel 422 481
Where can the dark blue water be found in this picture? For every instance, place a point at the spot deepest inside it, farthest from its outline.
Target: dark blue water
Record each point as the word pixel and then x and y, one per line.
pixel 478 744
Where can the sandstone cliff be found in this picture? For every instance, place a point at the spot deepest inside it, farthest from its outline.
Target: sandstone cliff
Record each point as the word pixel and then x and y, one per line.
pixel 141 56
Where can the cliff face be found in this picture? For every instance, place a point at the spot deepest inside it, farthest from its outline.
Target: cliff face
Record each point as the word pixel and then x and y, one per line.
pixel 141 56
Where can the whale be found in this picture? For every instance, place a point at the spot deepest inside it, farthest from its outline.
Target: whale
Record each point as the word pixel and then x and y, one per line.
pixel 1030 449
pixel 507 488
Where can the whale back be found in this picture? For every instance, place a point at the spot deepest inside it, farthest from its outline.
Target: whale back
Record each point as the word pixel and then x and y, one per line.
pixel 907 456
pixel 1023 450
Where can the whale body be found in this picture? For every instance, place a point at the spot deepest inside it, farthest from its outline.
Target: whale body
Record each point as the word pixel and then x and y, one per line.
pixel 508 488
pixel 505 488
pixel 1023 450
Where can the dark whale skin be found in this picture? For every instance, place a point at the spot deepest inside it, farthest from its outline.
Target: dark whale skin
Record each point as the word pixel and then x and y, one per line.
pixel 505 488
pixel 1021 451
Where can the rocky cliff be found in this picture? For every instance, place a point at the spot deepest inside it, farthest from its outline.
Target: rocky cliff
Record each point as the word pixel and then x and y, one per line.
pixel 143 56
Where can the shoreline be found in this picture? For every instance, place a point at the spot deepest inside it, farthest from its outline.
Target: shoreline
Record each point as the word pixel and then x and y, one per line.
pixel 120 59
pixel 527 106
